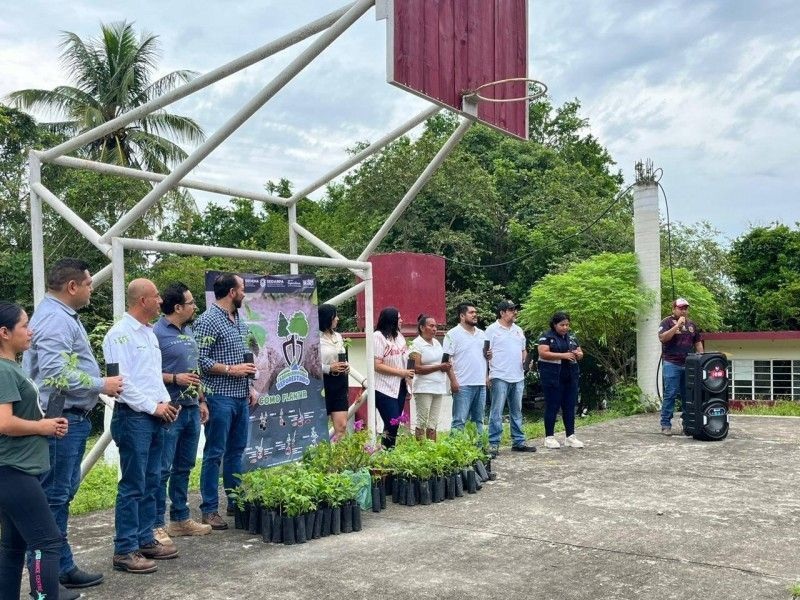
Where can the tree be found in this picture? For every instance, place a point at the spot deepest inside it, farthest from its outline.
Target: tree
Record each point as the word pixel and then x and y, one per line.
pixel 113 75
pixel 602 295
pixel 765 265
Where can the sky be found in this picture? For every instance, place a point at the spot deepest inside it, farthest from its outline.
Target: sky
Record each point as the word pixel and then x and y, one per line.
pixel 710 91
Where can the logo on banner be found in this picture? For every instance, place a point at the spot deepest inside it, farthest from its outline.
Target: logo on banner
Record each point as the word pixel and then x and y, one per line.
pixel 294 331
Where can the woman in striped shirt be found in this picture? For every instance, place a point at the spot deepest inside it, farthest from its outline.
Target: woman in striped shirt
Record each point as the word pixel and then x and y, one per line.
pixel 391 373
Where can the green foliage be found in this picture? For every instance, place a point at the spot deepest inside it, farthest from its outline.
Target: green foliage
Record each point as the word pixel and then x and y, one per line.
pixel 69 372
pixel 794 590
pixel 98 490
pixel 603 296
pixel 781 408
pixel 626 398
pixel 765 265
pixel 113 75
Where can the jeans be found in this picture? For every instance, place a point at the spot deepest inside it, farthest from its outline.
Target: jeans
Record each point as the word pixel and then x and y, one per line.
pixel 177 460
pixel 226 439
pixel 27 524
pixel 674 380
pixel 61 482
pixel 390 408
pixel 140 439
pixel 469 402
pixel 502 390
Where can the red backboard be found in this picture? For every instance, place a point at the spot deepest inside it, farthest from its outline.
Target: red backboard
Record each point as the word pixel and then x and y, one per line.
pixel 439 49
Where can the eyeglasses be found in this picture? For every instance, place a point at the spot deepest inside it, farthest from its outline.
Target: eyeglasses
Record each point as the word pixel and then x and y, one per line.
pixel 189 303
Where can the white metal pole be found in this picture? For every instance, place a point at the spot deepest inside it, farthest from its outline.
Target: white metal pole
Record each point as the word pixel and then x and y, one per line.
pixel 71 217
pixel 315 241
pixel 37 229
pixel 102 275
pixel 647 243
pixel 118 276
pixel 369 328
pixel 293 238
pixel 219 136
pixel 101 444
pixel 321 261
pixel 234 66
pixel 415 189
pixel 366 152
pixel 194 184
pixel 348 293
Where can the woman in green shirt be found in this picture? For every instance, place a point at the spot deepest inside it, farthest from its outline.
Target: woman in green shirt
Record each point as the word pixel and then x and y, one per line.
pixel 25 517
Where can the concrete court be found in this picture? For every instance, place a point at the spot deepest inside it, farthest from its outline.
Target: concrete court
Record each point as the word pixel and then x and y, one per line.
pixel 633 515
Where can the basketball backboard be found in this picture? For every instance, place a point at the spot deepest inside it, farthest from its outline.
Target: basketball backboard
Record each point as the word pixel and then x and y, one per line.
pixel 440 49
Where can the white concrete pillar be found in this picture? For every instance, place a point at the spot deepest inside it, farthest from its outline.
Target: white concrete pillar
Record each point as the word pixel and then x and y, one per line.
pixel 647 243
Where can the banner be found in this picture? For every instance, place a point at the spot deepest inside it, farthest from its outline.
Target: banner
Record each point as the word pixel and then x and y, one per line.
pixel 283 334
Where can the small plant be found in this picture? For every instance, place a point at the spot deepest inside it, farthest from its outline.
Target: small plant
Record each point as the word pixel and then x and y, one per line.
pixel 626 398
pixel 70 370
pixel 794 590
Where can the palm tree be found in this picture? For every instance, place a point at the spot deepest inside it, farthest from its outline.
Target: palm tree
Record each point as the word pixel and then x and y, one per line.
pixel 112 76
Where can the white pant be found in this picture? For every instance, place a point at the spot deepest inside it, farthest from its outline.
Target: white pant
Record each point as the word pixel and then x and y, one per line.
pixel 427 406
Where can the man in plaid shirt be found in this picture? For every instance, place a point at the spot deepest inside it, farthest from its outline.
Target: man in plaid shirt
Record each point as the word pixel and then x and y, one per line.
pixel 221 339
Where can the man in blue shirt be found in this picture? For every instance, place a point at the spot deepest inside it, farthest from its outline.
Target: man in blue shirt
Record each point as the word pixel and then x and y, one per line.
pixel 59 335
pixel 221 335
pixel 180 372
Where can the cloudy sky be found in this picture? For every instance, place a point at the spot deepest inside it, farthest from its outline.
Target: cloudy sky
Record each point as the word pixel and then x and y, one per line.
pixel 710 91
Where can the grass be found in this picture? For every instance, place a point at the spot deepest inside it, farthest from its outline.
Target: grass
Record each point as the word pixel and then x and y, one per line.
pixel 99 490
pixel 782 408
pixel 794 590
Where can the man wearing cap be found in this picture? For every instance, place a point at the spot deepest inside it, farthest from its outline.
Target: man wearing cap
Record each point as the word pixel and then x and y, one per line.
pixel 506 377
pixel 678 336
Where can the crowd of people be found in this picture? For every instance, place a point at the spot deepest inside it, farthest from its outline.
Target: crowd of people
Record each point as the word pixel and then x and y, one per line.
pixel 179 374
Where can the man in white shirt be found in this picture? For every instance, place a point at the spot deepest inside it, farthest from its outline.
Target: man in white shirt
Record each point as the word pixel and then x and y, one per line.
pixel 140 413
pixel 506 377
pixel 465 345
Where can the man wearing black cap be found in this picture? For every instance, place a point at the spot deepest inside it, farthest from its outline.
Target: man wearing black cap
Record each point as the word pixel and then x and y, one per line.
pixel 678 336
pixel 506 377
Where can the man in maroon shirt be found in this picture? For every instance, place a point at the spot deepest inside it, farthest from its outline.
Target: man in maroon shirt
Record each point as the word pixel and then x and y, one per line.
pixel 678 336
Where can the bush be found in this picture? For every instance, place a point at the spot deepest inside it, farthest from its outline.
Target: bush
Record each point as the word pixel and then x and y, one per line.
pixel 626 398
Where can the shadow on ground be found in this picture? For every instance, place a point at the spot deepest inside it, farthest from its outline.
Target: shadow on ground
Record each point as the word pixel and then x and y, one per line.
pixel 633 515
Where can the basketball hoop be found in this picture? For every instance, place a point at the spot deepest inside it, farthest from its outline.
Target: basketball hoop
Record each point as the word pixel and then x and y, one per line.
pixel 536 90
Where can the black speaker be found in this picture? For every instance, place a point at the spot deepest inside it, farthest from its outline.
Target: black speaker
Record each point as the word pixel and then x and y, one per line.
pixel 705 408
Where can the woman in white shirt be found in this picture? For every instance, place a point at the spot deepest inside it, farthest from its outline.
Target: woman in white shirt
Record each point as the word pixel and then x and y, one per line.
pixel 334 370
pixel 391 373
pixel 430 378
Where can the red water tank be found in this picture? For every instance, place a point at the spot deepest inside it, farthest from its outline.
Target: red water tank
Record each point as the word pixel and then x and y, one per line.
pixel 413 283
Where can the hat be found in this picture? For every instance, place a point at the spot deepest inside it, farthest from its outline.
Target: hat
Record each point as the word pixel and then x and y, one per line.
pixel 506 305
pixel 680 303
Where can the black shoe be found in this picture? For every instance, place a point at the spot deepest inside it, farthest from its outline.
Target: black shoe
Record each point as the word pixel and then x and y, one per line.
pixel 493 451
pixel 78 578
pixel 523 448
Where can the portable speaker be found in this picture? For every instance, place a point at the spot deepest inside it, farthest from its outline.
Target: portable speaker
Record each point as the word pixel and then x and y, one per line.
pixel 705 409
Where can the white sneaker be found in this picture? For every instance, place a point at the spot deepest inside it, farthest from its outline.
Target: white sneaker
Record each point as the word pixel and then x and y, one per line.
pixel 162 536
pixel 573 442
pixel 551 442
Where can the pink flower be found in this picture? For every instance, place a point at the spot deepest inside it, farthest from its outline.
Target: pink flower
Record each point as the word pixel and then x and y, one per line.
pixel 358 425
pixel 395 421
pixel 334 438
pixel 370 448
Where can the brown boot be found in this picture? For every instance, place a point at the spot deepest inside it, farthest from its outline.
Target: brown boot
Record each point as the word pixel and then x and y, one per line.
pixel 134 562
pixel 158 551
pixel 217 523
pixel 431 434
pixel 187 528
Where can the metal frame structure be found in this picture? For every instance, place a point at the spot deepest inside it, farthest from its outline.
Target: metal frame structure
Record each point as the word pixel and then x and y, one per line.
pixel 113 244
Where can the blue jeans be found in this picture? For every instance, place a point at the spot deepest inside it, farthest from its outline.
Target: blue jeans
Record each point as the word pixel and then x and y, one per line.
pixel 502 390
pixel 226 439
pixel 177 460
pixel 469 403
pixel 140 439
pixel 674 380
pixel 61 482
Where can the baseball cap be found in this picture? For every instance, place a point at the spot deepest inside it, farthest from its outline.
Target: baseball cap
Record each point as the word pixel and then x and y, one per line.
pixel 506 305
pixel 681 302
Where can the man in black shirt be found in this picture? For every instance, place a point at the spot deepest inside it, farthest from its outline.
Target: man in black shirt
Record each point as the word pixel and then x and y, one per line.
pixel 678 336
